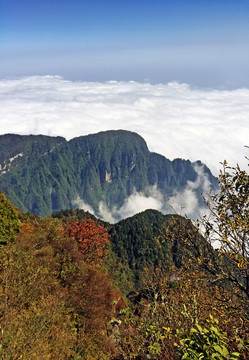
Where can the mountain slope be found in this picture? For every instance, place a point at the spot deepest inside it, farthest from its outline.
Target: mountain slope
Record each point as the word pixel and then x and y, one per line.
pixel 151 240
pixel 146 242
pixel 44 174
pixel 18 149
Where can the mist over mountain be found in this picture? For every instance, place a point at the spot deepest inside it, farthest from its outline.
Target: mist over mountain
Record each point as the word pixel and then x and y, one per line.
pixel 111 174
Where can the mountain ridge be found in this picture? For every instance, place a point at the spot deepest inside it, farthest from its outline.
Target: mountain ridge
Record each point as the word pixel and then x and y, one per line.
pixel 44 174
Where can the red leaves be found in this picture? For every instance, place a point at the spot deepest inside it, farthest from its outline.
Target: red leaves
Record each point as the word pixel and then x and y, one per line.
pixel 92 238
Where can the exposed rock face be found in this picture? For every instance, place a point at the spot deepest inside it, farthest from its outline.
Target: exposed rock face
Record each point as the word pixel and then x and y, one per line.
pixel 108 177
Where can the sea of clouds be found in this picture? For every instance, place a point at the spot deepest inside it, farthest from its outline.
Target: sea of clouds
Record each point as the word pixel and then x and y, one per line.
pixel 175 120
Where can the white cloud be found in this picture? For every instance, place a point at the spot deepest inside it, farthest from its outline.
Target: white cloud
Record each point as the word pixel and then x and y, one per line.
pixel 150 198
pixel 105 213
pixel 81 204
pixel 186 202
pixel 137 202
pixel 174 119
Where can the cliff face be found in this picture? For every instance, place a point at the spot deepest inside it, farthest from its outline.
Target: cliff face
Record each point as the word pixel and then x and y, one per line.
pixel 44 174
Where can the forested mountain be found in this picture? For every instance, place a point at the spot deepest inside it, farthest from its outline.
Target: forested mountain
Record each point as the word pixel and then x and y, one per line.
pixel 43 174
pixel 138 289
pixel 145 242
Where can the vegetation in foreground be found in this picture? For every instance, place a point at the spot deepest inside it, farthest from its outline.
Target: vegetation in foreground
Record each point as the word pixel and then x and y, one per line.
pixel 62 295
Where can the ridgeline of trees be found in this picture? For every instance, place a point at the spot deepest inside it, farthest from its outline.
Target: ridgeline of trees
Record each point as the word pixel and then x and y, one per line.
pixel 149 287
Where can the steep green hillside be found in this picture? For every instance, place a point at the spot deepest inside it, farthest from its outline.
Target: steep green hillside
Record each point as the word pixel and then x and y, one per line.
pixel 18 149
pixel 44 174
pixel 111 164
pixel 151 240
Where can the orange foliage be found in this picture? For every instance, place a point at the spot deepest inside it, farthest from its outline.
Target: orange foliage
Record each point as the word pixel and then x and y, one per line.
pixel 91 237
pixel 26 228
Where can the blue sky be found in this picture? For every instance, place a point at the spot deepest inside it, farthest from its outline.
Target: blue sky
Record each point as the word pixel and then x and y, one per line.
pixel 204 43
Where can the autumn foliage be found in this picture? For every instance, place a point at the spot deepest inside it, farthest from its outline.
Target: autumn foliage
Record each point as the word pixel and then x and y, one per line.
pixel 53 305
pixel 91 237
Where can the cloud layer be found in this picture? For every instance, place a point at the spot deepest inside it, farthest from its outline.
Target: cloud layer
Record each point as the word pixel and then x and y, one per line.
pixel 184 202
pixel 174 119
